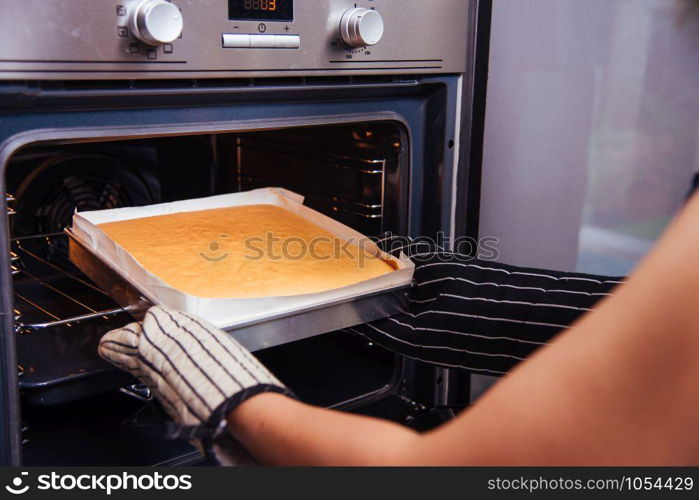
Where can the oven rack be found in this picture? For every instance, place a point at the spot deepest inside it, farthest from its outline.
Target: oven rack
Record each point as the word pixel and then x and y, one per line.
pixel 337 169
pixel 49 294
pixel 329 203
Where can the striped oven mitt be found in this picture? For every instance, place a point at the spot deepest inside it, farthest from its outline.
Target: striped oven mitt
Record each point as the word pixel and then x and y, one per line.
pixel 481 316
pixel 198 372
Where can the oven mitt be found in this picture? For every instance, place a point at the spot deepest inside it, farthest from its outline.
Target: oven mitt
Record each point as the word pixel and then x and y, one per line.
pixel 198 372
pixel 480 315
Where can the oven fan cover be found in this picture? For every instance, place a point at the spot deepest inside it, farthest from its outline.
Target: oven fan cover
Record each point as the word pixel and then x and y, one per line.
pixel 55 189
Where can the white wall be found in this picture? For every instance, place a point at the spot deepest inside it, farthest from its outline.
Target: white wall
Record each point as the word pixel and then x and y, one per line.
pixel 592 129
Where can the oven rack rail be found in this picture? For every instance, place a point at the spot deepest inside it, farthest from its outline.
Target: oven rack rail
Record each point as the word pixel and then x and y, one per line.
pixel 373 169
pixel 36 313
pixel 331 203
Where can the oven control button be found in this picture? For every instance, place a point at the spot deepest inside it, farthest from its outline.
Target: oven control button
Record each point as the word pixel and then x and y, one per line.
pixel 156 22
pixel 287 41
pixel 262 41
pixel 360 27
pixel 236 41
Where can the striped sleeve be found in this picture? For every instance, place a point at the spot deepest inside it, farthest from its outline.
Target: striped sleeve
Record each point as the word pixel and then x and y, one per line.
pixel 483 316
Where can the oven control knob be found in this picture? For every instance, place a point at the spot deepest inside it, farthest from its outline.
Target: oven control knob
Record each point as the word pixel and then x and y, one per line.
pixel 360 27
pixel 156 22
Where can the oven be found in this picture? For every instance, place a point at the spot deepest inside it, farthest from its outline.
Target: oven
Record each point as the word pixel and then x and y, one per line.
pixel 360 107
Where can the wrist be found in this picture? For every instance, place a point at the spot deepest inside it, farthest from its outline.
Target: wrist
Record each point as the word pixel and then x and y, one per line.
pixel 253 410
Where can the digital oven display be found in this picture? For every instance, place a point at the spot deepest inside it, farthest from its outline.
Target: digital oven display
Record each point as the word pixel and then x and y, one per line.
pixel 261 10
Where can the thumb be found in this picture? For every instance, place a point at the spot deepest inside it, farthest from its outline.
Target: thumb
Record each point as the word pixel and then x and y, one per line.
pixel 120 346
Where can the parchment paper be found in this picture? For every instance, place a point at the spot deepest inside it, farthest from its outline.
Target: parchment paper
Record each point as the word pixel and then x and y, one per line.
pixel 226 313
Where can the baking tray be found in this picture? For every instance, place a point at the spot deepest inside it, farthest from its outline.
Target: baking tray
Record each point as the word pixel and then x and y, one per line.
pixel 221 311
pixel 260 333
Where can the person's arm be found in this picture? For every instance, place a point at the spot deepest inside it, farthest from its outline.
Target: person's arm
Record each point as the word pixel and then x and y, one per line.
pixel 482 316
pixel 278 430
pixel 619 387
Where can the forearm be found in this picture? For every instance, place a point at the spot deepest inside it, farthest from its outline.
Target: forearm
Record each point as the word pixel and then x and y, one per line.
pixel 278 430
pixel 620 387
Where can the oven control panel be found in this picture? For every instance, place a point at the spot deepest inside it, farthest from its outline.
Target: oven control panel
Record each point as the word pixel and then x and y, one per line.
pixel 116 39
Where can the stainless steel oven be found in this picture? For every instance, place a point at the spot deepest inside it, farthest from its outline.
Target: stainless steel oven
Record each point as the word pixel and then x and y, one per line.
pixel 361 107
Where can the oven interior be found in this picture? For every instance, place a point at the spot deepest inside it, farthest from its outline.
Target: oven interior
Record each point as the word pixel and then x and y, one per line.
pixel 356 173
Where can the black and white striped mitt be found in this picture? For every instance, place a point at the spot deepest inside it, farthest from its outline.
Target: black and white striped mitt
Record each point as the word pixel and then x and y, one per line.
pixel 198 372
pixel 481 316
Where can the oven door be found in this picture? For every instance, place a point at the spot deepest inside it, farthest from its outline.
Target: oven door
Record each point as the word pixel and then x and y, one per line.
pixel 184 139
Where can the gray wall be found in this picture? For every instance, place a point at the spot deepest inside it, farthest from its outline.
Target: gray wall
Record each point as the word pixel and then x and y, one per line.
pixel 592 129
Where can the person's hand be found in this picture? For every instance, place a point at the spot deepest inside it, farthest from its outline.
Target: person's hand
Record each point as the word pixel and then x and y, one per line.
pixel 198 372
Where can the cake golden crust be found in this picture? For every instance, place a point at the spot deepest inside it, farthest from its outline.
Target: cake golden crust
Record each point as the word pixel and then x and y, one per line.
pixel 250 251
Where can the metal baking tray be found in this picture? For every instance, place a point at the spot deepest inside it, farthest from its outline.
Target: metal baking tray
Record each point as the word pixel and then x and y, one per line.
pixel 260 333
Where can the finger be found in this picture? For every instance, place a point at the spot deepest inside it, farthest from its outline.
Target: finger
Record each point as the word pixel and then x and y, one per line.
pixel 127 336
pixel 120 347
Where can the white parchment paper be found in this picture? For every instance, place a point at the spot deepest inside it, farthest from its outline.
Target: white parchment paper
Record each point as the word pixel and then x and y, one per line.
pixel 226 313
